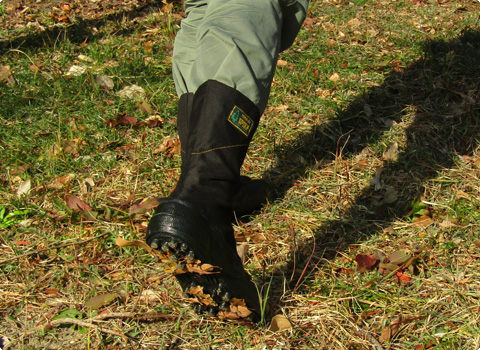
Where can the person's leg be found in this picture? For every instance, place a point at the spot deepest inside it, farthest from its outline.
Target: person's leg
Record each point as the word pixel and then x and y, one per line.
pixel 223 77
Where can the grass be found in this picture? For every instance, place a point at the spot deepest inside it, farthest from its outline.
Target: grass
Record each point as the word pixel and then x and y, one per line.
pixel 370 142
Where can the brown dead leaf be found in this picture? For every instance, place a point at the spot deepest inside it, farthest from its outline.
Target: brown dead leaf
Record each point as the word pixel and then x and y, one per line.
pixel 124 243
pixel 24 188
pixel 133 92
pixel 422 221
pixel 238 309
pixel 334 77
pixel 365 262
pixel 6 75
pixel 391 153
pixel 51 291
pixel 154 120
pixel 398 257
pixel 279 323
pixel 76 203
pixel 203 298
pixel 403 278
pixel 104 81
pixel 477 243
pixel 101 300
pixel 388 266
pixel 121 119
pixel 462 195
pixel 388 332
pixel 60 182
pixel 242 251
pixel 169 145
pixel 203 269
pixel 143 206
pixel 144 106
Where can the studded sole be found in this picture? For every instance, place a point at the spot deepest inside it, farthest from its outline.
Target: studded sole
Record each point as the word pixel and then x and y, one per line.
pixel 201 283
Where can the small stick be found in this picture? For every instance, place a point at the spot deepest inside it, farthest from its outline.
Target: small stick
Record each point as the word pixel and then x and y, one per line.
pixel 54 247
pixel 84 324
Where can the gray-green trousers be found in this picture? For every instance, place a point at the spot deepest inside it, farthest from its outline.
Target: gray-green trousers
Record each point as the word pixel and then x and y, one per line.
pixel 235 42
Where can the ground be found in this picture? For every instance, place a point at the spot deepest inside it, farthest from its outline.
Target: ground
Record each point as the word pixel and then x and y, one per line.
pixel 370 239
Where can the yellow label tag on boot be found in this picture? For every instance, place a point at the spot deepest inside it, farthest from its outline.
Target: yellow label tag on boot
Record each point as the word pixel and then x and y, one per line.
pixel 241 121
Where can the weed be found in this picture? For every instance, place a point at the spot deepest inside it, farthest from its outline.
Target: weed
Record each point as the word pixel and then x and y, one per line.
pixel 361 77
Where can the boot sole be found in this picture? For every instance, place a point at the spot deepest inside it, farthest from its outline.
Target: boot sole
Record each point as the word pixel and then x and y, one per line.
pixel 212 279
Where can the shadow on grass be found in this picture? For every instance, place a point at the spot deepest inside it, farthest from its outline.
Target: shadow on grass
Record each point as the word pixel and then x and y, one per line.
pixel 78 32
pixel 439 98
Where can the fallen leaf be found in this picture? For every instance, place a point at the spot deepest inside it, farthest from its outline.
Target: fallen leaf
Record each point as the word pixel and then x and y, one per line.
pixel 124 243
pixel 69 146
pixel 242 251
pixel 391 153
pixel 334 77
pixel 133 92
pixel 6 75
pixel 169 145
pixel 403 278
pixel 104 81
pixel 144 206
pixel 51 291
pixel 345 270
pixel 76 70
pixel 85 58
pixel 61 181
pixel 365 261
pixel 203 298
pixel 388 332
pixel 87 184
pixel 422 221
pixel 90 215
pixel 101 300
pixel 462 195
pixel 279 323
pixel 203 269
pixel 154 120
pixel 121 119
pixel 477 243
pixel 398 257
pixel 389 266
pixel 391 196
pixel 24 188
pixel 238 309
pixel 144 106
pixel 376 181
pixel 76 203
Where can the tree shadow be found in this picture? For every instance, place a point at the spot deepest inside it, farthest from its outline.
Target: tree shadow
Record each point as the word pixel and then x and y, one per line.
pixel 438 97
pixel 82 30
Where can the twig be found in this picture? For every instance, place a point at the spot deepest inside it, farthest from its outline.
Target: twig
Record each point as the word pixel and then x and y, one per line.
pixel 306 266
pixel 373 342
pixel 132 315
pixel 81 323
pixel 54 247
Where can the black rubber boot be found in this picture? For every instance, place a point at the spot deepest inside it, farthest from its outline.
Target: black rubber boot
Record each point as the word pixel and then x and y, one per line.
pixel 192 227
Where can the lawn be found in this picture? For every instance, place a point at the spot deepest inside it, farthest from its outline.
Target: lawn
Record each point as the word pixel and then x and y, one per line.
pixel 370 238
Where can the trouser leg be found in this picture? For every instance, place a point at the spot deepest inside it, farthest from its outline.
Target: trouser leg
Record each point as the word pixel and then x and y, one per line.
pixel 224 63
pixel 235 42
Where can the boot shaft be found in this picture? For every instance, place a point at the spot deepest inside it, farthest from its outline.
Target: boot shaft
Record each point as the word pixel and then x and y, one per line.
pixel 215 126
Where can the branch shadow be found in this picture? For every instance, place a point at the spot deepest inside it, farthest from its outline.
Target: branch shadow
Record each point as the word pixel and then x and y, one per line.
pixel 439 97
pixel 81 31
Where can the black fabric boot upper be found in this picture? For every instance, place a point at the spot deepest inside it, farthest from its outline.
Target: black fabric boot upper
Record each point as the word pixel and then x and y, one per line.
pixel 216 125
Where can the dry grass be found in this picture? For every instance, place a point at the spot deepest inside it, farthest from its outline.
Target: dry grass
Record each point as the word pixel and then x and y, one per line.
pixel 379 159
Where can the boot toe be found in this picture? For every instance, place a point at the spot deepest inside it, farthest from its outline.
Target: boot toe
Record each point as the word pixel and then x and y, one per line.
pixel 207 267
